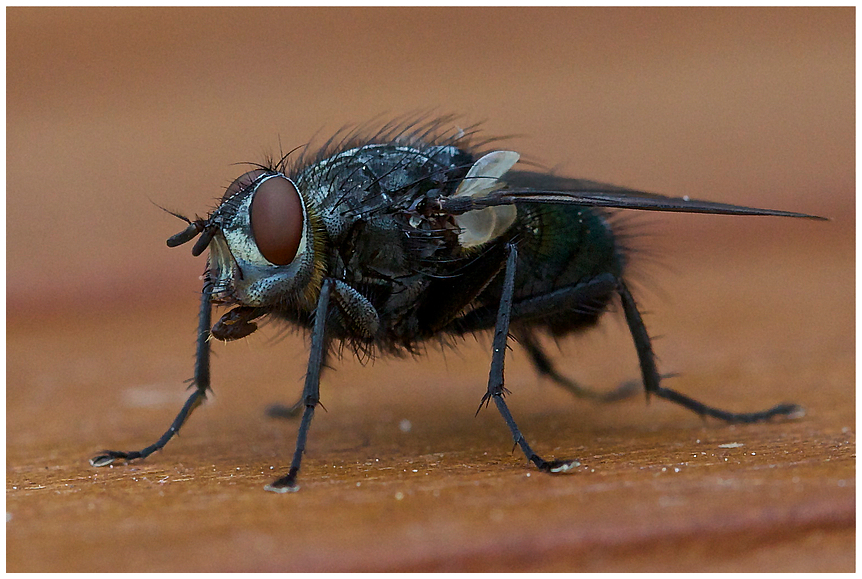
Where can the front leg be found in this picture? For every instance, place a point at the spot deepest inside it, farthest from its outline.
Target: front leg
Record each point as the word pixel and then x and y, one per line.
pixel 311 391
pixel 496 390
pixel 201 382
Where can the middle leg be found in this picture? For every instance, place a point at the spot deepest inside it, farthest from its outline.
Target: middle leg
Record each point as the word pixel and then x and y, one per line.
pixel 496 390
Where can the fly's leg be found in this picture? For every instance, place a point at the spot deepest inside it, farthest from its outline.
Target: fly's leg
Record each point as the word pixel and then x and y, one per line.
pixel 109 456
pixel 310 393
pixel 496 390
pixel 545 367
pixel 652 379
pixel 201 382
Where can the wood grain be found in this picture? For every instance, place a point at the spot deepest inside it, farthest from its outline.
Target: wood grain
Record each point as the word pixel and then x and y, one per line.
pixel 658 488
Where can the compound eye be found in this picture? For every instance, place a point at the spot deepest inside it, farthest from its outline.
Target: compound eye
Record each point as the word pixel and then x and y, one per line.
pixel 241 183
pixel 276 220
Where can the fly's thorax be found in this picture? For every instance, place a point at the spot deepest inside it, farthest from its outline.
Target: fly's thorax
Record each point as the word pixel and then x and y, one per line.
pixel 263 253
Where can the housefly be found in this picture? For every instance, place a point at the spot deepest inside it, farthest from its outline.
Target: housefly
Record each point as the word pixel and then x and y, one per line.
pixel 414 234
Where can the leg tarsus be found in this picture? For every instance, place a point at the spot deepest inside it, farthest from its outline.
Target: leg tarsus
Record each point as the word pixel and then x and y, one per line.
pixel 109 456
pixel 286 484
pixel 559 466
pixel 791 411
pixel 545 366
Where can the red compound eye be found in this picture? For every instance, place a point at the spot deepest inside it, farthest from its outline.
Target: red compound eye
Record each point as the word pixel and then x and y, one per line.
pixel 242 182
pixel 276 220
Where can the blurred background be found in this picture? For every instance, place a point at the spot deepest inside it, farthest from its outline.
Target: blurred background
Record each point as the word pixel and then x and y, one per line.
pixel 112 110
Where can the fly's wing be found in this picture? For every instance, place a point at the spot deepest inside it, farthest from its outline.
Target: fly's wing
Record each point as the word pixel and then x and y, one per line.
pixel 531 187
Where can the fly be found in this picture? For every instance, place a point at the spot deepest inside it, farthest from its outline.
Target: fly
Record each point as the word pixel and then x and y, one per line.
pixel 415 234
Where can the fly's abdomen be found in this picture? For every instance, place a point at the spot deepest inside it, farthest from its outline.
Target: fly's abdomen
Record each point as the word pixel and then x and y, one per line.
pixel 564 247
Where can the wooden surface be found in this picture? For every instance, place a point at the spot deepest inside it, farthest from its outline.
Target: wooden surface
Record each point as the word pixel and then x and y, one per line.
pixel 658 488
pixel 110 108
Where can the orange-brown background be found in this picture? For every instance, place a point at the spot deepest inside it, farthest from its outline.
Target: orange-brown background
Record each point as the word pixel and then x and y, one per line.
pixel 110 109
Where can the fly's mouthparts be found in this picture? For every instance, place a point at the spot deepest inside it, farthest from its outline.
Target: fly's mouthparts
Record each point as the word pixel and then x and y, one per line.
pixel 236 323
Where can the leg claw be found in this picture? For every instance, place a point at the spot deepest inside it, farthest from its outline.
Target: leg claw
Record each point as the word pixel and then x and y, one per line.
pixel 282 485
pixel 559 466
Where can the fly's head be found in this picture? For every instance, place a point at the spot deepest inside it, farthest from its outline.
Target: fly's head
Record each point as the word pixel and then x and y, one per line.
pixel 261 240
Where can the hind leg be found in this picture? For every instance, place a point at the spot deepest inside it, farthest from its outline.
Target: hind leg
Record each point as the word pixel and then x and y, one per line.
pixel 546 367
pixel 652 379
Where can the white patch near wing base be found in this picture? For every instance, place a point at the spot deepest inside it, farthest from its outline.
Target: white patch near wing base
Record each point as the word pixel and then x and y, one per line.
pixel 483 225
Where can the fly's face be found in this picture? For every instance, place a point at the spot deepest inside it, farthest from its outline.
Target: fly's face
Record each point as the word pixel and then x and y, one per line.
pixel 261 243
